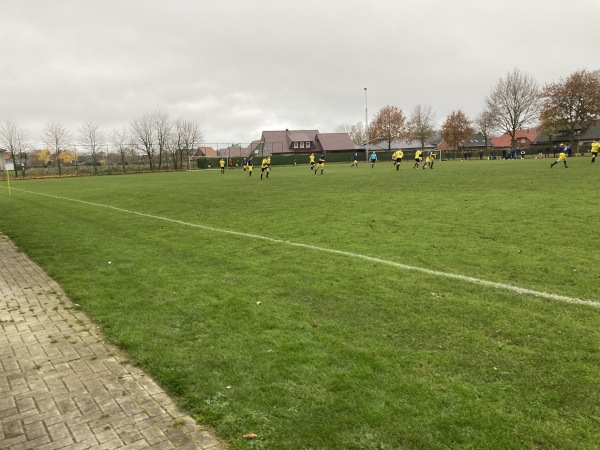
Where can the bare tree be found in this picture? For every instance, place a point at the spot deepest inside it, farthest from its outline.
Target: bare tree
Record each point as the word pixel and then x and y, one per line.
pixel 343 128
pixel 389 124
pixel 23 144
pixel 185 138
pixel 422 124
pixel 172 150
pixel 456 128
pixel 93 138
pixel 14 139
pixel 56 137
pixel 142 133
pixel 572 104
pixel 514 102
pixel 356 132
pixel 162 126
pixel 119 138
pixel 485 123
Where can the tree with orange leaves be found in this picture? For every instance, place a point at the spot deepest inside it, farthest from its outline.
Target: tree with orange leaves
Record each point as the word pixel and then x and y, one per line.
pixel 456 128
pixel 572 104
pixel 390 124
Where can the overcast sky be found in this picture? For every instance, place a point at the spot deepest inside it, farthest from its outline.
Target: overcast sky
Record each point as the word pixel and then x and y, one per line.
pixel 239 67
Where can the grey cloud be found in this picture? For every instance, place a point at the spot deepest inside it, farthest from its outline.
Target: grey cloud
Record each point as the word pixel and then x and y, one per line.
pixel 239 67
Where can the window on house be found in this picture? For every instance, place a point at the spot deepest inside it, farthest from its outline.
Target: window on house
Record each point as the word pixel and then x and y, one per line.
pixel 301 144
pixel 308 145
pixel 295 145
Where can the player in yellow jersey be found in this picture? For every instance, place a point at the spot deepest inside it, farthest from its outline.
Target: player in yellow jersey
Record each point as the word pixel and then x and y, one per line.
pixel 222 165
pixel 433 156
pixel 429 160
pixel 418 158
pixel 311 158
pixel 562 156
pixel 595 147
pixel 321 164
pixel 397 157
pixel 264 167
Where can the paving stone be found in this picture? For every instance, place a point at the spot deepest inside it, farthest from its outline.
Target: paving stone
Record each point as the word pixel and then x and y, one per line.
pixel 83 445
pixel 81 432
pixel 56 445
pixel 31 443
pixel 5 414
pixel 153 435
pixel 25 404
pixel 7 403
pixel 111 445
pixel 58 431
pixel 8 442
pixel 13 429
pixel 35 430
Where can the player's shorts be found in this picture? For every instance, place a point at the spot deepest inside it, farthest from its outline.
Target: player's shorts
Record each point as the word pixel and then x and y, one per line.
pixel 398 160
pixel 418 159
pixel 262 169
pixel 594 154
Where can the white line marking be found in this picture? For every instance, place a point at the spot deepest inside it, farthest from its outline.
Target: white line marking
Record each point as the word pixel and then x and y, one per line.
pixel 453 276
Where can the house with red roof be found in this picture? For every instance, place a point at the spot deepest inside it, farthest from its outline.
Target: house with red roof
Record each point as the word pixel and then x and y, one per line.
pixel 237 150
pixel 289 142
pixel 208 152
pixel 523 139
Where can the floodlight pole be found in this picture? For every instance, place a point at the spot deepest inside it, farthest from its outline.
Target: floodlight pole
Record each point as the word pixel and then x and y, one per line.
pixel 366 128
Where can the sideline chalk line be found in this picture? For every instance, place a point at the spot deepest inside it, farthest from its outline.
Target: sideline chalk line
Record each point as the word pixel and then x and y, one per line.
pixel 453 276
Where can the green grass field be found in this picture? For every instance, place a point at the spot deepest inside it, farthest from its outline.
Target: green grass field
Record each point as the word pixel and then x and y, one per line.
pixel 343 352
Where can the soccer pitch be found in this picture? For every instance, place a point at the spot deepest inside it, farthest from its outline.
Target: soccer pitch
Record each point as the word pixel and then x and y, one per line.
pixel 365 308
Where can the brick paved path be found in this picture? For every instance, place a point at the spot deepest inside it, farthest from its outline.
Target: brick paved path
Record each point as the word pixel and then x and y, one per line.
pixel 62 386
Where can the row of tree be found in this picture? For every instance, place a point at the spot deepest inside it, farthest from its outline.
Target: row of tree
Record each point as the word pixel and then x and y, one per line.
pixel 155 135
pixel 571 105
